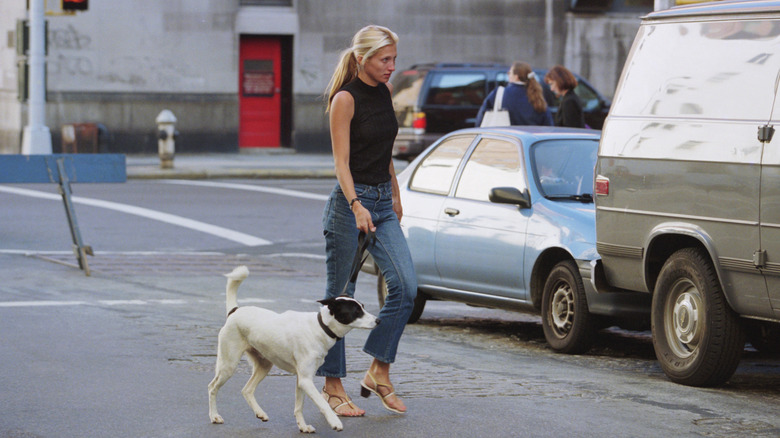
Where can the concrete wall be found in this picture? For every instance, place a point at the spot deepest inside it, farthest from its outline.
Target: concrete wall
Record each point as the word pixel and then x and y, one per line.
pixel 596 47
pixel 429 31
pixel 121 63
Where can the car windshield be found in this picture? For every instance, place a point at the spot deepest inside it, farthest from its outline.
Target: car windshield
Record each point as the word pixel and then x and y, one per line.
pixel 563 169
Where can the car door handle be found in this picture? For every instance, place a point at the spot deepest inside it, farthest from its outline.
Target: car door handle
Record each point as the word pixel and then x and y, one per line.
pixel 451 211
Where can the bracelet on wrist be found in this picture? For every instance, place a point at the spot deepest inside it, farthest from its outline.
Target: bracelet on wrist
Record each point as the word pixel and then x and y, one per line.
pixel 352 202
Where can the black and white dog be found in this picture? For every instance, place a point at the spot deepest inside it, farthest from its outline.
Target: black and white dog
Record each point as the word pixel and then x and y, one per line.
pixel 296 342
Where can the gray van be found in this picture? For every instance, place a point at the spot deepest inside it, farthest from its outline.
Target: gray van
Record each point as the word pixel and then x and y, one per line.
pixel 688 184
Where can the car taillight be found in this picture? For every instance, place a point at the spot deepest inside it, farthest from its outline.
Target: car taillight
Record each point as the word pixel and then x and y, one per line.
pixel 419 123
pixel 602 185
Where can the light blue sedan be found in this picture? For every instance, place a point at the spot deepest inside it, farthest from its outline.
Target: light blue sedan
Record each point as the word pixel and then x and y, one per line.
pixel 504 218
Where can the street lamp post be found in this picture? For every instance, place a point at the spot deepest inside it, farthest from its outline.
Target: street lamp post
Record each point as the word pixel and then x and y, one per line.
pixel 37 137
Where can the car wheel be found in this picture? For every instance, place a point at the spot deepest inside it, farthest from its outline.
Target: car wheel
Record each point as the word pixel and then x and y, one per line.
pixel 419 301
pixel 568 325
pixel 698 339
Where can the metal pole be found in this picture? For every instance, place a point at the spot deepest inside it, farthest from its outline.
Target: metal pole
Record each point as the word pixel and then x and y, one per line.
pixel 37 137
pixel 549 34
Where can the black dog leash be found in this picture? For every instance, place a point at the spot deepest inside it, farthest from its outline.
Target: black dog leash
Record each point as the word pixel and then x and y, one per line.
pixel 364 241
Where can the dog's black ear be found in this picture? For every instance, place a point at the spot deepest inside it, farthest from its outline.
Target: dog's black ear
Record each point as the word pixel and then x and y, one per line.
pixel 327 302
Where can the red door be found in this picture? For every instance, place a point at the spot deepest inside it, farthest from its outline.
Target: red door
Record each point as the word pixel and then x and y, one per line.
pixel 260 91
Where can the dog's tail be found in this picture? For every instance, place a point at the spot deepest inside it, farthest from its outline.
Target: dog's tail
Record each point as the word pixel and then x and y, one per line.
pixel 234 280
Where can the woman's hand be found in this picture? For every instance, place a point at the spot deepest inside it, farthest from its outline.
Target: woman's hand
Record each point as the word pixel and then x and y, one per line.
pixel 362 218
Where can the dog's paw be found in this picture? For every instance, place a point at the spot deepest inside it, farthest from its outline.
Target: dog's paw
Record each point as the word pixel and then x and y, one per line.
pixel 217 419
pixel 307 428
pixel 263 417
pixel 337 426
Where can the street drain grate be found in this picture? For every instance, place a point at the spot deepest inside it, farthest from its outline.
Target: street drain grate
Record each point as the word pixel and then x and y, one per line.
pixel 175 264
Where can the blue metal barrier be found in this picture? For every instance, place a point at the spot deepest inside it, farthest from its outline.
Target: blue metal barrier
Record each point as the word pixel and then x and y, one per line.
pixel 64 169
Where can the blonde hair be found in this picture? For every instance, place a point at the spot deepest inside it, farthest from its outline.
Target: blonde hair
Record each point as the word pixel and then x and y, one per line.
pixel 533 87
pixel 366 42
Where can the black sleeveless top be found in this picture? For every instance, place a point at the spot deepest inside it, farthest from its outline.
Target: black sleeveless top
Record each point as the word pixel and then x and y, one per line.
pixel 372 132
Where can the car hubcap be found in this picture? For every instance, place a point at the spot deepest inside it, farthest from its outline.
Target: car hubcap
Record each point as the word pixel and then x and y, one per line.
pixel 562 310
pixel 683 326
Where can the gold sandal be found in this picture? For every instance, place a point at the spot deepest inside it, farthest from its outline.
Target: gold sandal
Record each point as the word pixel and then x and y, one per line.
pixel 365 391
pixel 345 401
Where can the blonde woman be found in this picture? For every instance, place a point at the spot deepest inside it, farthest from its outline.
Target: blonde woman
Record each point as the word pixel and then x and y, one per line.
pixel 523 98
pixel 363 128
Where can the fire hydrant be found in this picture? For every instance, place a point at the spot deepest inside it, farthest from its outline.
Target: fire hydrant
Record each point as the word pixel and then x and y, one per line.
pixel 166 138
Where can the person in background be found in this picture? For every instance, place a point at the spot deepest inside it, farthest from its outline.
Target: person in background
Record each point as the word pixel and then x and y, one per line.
pixel 523 98
pixel 563 82
pixel 363 128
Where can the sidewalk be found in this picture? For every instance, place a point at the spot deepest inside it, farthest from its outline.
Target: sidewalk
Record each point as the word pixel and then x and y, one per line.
pixel 276 163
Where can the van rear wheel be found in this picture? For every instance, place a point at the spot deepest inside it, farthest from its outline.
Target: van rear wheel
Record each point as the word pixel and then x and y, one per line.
pixel 698 339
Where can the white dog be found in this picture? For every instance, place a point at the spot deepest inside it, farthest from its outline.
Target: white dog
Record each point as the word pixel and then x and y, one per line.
pixel 296 342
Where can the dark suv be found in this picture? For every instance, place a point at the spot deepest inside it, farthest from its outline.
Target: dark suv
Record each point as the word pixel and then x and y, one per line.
pixel 431 100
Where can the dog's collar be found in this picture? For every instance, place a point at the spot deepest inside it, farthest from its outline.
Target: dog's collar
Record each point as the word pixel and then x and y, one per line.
pixel 325 328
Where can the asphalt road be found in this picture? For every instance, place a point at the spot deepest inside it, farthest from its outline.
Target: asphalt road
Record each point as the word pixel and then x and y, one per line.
pixel 128 351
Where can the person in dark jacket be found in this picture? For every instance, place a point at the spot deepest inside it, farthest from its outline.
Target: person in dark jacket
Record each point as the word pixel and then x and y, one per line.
pixel 563 82
pixel 523 98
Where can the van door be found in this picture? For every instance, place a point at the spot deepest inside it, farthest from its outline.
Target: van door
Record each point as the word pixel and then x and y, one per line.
pixel 769 254
pixel 682 158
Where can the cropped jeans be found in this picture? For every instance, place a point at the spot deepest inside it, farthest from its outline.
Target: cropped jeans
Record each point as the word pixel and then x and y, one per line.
pixel 392 256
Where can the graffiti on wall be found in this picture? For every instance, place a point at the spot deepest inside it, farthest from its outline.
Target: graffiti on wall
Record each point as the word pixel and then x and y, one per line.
pixel 69 61
pixel 74 63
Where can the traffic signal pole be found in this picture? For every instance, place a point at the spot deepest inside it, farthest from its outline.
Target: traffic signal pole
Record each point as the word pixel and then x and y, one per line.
pixel 37 137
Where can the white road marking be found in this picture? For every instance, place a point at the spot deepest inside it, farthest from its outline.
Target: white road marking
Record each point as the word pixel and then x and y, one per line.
pixel 113 303
pixel 214 230
pixel 122 302
pixel 41 303
pixel 299 255
pixel 254 300
pixel 168 301
pixel 130 253
pixel 249 187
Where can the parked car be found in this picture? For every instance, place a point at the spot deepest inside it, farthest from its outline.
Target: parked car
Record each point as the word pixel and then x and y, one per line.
pixel 504 218
pixel 688 186
pixel 431 100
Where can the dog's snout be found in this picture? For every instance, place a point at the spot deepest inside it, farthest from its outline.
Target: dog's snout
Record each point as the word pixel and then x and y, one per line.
pixel 378 321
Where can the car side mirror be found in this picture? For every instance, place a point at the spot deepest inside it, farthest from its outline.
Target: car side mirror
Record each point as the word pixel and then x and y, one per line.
pixel 510 195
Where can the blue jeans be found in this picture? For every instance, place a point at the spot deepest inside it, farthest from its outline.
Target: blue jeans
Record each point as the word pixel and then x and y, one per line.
pixel 390 253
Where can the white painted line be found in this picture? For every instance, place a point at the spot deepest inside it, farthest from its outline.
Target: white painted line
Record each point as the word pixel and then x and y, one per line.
pixel 214 230
pixel 253 300
pixel 127 253
pixel 248 187
pixel 41 303
pixel 170 302
pixel 122 302
pixel 298 255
